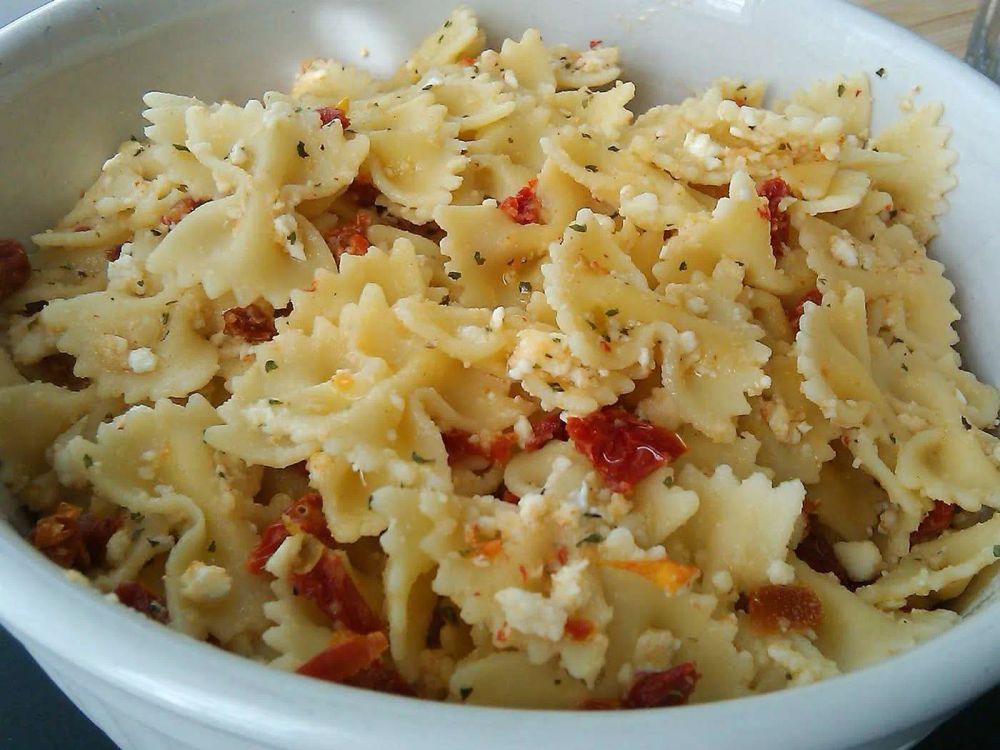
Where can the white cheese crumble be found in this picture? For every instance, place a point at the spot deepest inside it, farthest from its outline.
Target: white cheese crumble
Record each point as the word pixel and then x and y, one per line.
pixel 141 360
pixel 701 146
pixel 780 573
pixel 861 560
pixel 843 250
pixel 531 613
pixel 201 582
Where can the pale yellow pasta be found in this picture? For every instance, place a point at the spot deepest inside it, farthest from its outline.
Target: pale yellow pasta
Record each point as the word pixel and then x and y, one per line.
pixel 515 395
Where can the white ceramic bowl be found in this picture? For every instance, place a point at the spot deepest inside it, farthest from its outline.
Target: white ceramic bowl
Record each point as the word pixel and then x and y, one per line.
pixel 71 77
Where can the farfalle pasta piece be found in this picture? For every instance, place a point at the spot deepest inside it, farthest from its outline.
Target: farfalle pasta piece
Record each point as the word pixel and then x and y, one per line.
pixel 326 81
pixel 127 345
pixel 846 97
pixel 919 183
pixel 589 68
pixel 458 37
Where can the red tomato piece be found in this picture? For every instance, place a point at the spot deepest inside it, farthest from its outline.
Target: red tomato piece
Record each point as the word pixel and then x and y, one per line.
pixel 270 540
pixel 349 238
pixel 781 609
pixel 509 497
pixel 141 599
pixel 329 585
pixel 346 657
pixel 329 114
pixel 15 269
pixel 774 190
pixel 623 448
pixel 180 209
pixel 937 520
pixel 74 539
pixel 382 678
pixel 578 628
pixel 305 515
pixel 363 191
pixel 459 445
pixel 549 427
pixel 251 323
pixel 671 687
pixel 817 552
pixel 524 206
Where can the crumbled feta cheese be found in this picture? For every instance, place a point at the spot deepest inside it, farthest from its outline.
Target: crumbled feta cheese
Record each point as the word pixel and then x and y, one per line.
pixel 497 318
pixel 861 560
pixel 142 360
pixel 780 573
pixel 696 305
pixel 201 582
pixel 567 586
pixel 531 613
pixel 701 146
pixel 510 79
pixel 722 580
pixel 842 249
pixel 688 341
pixel 654 650
pixel 285 227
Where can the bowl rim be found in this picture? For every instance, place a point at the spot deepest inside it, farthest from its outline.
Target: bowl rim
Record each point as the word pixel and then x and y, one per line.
pixel 160 664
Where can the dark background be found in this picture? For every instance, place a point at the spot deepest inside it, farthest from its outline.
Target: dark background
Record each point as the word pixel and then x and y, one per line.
pixel 34 715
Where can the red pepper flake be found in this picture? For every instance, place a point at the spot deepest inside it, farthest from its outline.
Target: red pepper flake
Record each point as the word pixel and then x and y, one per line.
pixel 330 114
pixel 349 237
pixel 74 539
pixel 817 552
pixel 795 314
pixel 549 427
pixel 937 520
pixel 459 445
pixel 363 191
pixel 15 269
pixel 468 61
pixel 562 555
pixel 509 497
pixel 623 448
pixel 524 573
pixel 141 599
pixel 180 209
pixel 524 206
pixel 329 585
pixel 251 323
pixel 774 190
pixel 780 609
pixel 595 43
pixel 579 629
pixel 671 687
pixel 346 657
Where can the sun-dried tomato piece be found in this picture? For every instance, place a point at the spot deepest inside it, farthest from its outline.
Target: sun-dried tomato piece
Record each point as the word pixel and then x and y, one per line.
pixel 579 628
pixel 795 314
pixel 671 687
pixel 350 237
pixel 330 114
pixel 270 539
pixel 937 520
pixel 549 427
pixel 251 323
pixel 783 608
pixel 329 585
pixel 74 539
pixel 179 210
pixel 774 190
pixel 284 312
pixel 817 552
pixel 15 268
pixel 358 661
pixel 459 445
pixel 595 43
pixel 141 599
pixel 623 448
pixel 363 191
pixel 524 206
pixel 508 497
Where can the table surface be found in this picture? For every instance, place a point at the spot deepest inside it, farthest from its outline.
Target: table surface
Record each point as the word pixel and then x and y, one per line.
pixel 35 715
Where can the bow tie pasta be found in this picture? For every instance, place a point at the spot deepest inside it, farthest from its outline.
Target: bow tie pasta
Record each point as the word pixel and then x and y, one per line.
pixel 469 384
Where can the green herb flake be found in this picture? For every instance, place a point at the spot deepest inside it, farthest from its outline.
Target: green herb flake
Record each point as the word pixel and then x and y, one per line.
pixel 591 539
pixel 454 275
pixel 683 266
pixel 370 498
pixel 156 232
pixel 292 238
pixel 447 24
pixel 524 287
pixel 417 458
pixel 996 550
pixel 136 516
pixel 556 387
pixel 211 546
pixel 270 366
pixel 612 312
pixel 478 257
pixel 841 89
pixel 590 167
pixel 578 227
pixel 614 149
pixel 465 693
pixel 87 461
pixel 668 481
pixel 301 149
pixel 880 72
pixel 274 401
pixel 182 147
pixel 593 326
